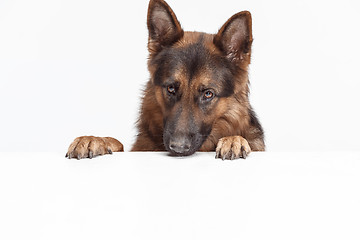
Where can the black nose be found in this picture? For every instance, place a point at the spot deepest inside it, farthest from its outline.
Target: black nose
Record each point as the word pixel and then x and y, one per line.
pixel 180 145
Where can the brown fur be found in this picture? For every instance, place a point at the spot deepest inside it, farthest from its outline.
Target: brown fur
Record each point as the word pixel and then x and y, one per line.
pixel 232 127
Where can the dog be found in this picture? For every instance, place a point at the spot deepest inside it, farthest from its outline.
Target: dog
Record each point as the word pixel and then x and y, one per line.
pixel 197 97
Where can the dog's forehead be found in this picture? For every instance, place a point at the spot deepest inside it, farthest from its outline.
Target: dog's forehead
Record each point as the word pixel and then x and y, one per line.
pixel 191 38
pixel 195 57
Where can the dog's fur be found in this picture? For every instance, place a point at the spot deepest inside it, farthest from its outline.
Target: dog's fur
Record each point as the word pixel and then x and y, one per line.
pixel 197 95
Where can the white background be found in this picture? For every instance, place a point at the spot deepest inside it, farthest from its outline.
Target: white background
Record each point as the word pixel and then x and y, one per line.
pixel 76 67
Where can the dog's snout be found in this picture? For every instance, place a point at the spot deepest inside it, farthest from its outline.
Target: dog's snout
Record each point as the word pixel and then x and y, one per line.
pixel 180 145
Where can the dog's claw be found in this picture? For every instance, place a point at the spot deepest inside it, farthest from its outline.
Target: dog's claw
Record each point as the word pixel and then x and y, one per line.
pixel 109 151
pixel 243 152
pixel 66 155
pixel 91 154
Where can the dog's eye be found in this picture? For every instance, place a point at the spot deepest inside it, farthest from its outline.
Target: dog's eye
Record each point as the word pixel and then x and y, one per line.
pixel 208 95
pixel 171 89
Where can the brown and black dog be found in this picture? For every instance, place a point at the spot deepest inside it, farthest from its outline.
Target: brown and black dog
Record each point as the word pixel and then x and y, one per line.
pixel 197 95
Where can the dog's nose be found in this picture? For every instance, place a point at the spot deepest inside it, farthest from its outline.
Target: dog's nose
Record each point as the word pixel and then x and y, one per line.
pixel 180 145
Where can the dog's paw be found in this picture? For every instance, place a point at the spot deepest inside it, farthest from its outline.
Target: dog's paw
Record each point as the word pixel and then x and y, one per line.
pixel 90 146
pixel 232 148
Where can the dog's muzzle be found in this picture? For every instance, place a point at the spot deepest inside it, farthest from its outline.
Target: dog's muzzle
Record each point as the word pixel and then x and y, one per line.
pixel 180 145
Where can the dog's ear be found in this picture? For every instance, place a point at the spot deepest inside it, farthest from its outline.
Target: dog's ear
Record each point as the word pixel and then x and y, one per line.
pixel 164 28
pixel 235 37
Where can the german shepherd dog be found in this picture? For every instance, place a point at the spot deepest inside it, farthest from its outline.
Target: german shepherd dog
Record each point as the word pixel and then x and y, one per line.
pixel 197 95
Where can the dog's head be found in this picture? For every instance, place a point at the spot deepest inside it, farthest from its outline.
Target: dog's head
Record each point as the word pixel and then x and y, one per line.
pixel 194 74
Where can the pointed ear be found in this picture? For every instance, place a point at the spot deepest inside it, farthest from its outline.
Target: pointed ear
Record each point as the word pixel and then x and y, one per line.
pixel 235 37
pixel 164 28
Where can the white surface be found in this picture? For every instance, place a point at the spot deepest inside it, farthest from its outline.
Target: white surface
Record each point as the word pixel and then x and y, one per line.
pixel 76 67
pixel 154 196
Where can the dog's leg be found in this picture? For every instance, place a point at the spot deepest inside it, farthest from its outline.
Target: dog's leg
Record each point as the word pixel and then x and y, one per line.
pixel 232 148
pixel 90 146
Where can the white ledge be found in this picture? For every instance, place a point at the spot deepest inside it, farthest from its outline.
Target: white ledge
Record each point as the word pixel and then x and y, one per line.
pixel 147 195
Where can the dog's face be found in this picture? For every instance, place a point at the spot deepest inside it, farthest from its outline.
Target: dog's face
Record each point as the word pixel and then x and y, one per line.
pixel 194 74
pixel 192 84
